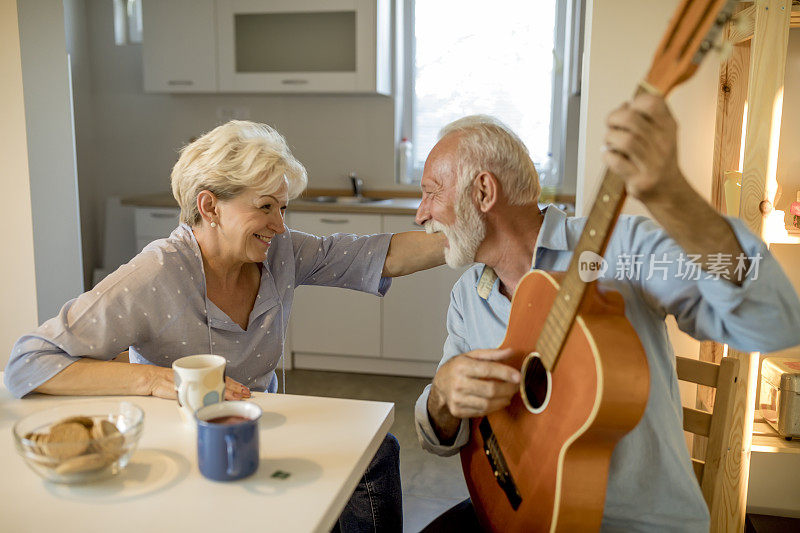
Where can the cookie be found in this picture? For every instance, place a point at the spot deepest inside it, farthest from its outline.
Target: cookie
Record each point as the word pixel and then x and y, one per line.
pixel 82 463
pixel 85 421
pixel 65 440
pixel 108 438
pixel 34 440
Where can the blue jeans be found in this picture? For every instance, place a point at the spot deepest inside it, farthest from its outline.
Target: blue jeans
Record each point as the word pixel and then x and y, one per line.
pixel 377 503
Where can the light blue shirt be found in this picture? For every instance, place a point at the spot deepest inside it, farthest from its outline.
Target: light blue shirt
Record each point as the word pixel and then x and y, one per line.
pixel 651 484
pixel 156 307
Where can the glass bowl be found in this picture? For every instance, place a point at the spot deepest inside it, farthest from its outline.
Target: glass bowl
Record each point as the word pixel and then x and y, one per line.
pixel 80 441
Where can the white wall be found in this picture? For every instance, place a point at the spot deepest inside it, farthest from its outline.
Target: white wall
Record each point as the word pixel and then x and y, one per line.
pixel 17 279
pixel 51 154
pixel 621 38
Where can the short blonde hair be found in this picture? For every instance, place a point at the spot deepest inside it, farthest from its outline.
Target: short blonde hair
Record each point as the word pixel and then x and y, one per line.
pixel 486 144
pixel 231 158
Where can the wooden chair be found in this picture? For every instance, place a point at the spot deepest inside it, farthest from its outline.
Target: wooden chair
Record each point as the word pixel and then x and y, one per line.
pixel 714 425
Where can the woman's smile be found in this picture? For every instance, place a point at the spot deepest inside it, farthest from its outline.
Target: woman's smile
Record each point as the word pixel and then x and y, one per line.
pixel 262 239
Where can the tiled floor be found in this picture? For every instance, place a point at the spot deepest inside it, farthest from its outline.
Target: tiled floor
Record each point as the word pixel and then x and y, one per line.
pixel 431 484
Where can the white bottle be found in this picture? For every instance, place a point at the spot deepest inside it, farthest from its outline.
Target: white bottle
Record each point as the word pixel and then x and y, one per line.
pixel 548 171
pixel 404 162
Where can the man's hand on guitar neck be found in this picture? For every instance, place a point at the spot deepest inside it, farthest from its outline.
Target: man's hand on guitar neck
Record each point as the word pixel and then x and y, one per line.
pixel 642 149
pixel 470 385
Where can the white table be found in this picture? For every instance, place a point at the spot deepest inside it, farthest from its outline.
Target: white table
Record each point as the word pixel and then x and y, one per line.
pixel 324 443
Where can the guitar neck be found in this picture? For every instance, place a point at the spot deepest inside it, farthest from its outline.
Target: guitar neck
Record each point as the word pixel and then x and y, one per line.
pixel 594 238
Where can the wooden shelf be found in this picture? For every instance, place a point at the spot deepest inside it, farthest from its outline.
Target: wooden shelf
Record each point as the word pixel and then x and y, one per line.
pixel 767 440
pixel 793 237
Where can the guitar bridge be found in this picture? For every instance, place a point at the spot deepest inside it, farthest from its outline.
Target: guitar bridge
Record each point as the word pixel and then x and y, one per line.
pixel 498 463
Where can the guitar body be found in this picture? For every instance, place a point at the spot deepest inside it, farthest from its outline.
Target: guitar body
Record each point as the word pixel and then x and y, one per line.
pixel 559 457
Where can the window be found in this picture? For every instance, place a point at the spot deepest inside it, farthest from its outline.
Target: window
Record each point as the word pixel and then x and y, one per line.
pixel 503 58
pixel 127 22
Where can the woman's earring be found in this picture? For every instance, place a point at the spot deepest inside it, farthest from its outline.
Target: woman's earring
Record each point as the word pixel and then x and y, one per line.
pixel 213 224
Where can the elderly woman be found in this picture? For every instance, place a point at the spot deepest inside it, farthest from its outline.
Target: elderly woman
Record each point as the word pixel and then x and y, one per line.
pixel 221 283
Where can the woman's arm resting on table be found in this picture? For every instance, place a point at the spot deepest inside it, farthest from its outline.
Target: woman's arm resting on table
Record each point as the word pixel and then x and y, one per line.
pixel 412 251
pixel 90 377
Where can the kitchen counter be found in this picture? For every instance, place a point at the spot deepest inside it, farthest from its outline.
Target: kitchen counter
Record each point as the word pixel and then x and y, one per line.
pixel 389 206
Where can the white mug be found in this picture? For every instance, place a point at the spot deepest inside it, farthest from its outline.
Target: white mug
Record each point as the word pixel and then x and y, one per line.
pixel 199 381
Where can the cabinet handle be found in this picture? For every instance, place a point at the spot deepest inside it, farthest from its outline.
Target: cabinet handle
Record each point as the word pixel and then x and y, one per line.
pixel 180 82
pixel 294 82
pixel 334 220
pixel 162 215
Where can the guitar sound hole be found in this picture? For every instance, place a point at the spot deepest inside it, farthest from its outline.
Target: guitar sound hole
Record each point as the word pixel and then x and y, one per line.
pixel 536 384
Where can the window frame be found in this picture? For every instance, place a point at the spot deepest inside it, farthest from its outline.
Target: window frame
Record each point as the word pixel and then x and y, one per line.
pixel 567 52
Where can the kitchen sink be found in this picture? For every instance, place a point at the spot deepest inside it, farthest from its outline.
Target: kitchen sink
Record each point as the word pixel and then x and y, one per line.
pixel 340 199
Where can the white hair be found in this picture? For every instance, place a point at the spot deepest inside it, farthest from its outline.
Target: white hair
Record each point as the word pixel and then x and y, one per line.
pixel 235 156
pixel 486 144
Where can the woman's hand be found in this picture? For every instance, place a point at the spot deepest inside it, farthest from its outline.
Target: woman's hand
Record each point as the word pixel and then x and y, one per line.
pixel 162 385
pixel 235 390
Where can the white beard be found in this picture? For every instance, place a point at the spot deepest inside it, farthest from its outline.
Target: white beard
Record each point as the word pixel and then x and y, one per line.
pixel 465 236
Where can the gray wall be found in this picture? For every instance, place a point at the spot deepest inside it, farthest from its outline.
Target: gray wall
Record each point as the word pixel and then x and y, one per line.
pixel 51 154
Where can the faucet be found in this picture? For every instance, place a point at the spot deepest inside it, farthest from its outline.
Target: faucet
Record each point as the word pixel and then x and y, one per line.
pixel 358 185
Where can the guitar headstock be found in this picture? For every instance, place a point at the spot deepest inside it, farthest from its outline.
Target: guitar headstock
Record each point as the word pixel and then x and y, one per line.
pixel 692 32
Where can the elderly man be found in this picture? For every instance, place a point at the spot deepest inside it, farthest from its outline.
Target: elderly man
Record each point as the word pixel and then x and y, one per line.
pixel 480 189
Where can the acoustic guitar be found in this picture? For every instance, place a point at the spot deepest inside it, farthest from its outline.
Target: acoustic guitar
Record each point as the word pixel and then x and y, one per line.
pixel 541 464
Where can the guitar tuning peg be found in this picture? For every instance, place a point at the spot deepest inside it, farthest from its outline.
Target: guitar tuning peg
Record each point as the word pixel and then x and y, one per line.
pixel 724 49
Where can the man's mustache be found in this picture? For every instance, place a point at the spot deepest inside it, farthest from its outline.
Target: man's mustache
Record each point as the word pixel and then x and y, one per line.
pixel 434 227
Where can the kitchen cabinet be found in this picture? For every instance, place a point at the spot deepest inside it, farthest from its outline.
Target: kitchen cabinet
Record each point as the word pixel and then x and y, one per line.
pixel 415 309
pixel 401 333
pixel 153 223
pixel 304 46
pixel 332 320
pixel 267 46
pixel 179 48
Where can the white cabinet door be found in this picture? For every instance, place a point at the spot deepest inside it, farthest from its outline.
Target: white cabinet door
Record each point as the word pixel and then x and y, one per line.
pixel 328 320
pixel 304 46
pixel 179 47
pixel 415 308
pixel 154 223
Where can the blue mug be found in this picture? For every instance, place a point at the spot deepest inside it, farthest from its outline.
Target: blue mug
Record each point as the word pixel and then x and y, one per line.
pixel 227 440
